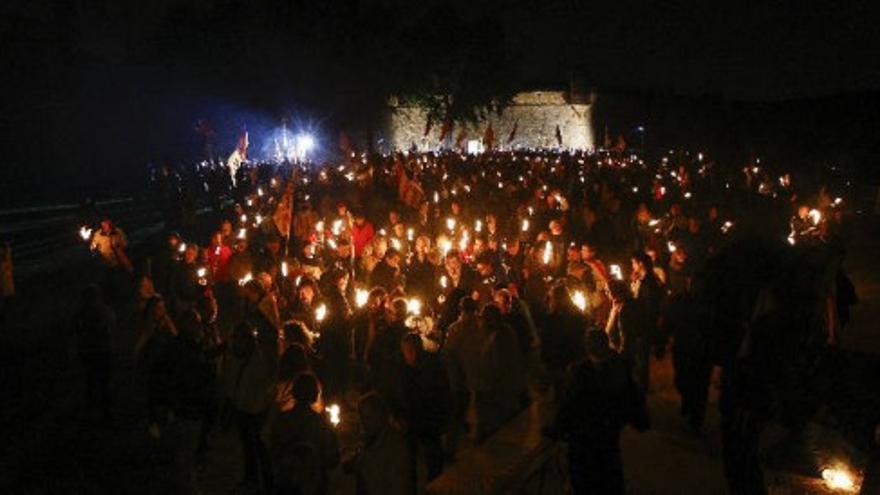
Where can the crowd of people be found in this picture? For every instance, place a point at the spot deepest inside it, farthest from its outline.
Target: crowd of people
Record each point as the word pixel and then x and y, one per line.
pixel 437 294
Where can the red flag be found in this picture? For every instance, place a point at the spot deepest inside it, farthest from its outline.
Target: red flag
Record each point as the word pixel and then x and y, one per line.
pixel 606 142
pixel 243 145
pixel 489 137
pixel 558 135
pixel 621 144
pixel 459 140
pixel 512 135
pixel 344 142
pixel 283 215
pixel 445 130
pixel 427 127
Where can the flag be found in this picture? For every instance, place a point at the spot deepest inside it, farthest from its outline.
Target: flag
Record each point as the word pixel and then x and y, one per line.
pixel 427 127
pixel 606 142
pixel 239 155
pixel 344 142
pixel 462 135
pixel 283 215
pixel 512 135
pixel 243 144
pixel 445 130
pixel 489 137
pixel 558 135
pixel 621 144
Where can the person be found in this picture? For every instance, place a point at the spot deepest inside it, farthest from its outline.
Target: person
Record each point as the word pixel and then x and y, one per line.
pixel 301 442
pixel 647 296
pixel 155 341
pixel 506 369
pixel 110 243
pixel 387 273
pixel 516 314
pixel 562 331
pixel 691 362
pixel 93 327
pixel 382 351
pixel 422 408
pixel 247 380
pixel 362 233
pixel 467 372
pixel 599 399
pixel 381 465
pixel 335 344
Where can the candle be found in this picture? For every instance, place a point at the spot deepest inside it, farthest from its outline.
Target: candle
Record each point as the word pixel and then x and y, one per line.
pixel 838 479
pixel 85 233
pixel 414 306
pixel 579 300
pixel 815 216
pixel 320 312
pixel 616 272
pixel 284 269
pixel 548 252
pixel 247 278
pixel 334 413
pixel 360 297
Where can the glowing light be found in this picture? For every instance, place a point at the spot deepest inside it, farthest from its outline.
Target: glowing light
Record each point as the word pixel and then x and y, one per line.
pixel 444 281
pixel 250 202
pixel 85 233
pixel 450 223
pixel 548 252
pixel 305 143
pixel 260 192
pixel 258 219
pixel 247 278
pixel 579 300
pixel 201 272
pixel 396 244
pixel 671 246
pixel 478 226
pixel 838 479
pixel 653 222
pixel 525 225
pixel 243 218
pixel 319 227
pixel 436 197
pixel 284 269
pixel 687 195
pixel 726 227
pixel 360 297
pixel 791 240
pixel 410 234
pixel 242 233
pixel 635 189
pixel 321 312
pixel 414 306
pixel 337 227
pixel 182 247
pixel 445 246
pixel 616 272
pixel 815 216
pixel 334 414
pixel 838 201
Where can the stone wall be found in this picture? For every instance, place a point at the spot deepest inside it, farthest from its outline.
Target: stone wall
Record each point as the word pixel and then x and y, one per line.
pixel 535 115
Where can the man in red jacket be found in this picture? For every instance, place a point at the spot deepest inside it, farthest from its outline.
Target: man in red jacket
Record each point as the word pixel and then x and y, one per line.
pixel 362 233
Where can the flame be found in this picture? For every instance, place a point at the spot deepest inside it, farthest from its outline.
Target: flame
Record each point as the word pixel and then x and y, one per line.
pixel 201 272
pixel 334 413
pixel 247 278
pixel 283 268
pixel 838 479
pixel 548 252
pixel 410 234
pixel 815 216
pixel 525 225
pixel 444 281
pixel 360 297
pixel 182 247
pixel 671 246
pixel 321 312
pixel 85 233
pixel 616 272
pixel 395 244
pixel 242 233
pixel 414 306
pixel 478 226
pixel 337 227
pixel 579 300
pixel 450 223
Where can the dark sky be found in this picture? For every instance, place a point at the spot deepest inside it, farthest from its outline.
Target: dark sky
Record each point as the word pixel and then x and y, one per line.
pixel 93 89
pixel 751 50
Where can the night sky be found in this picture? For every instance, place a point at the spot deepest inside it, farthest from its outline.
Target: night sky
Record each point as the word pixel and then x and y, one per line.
pixel 105 87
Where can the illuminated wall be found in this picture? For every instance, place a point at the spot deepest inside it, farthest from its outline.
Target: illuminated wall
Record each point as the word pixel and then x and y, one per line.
pixel 535 114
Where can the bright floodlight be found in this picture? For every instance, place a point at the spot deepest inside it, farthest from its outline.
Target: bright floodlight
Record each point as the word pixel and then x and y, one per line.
pixel 305 143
